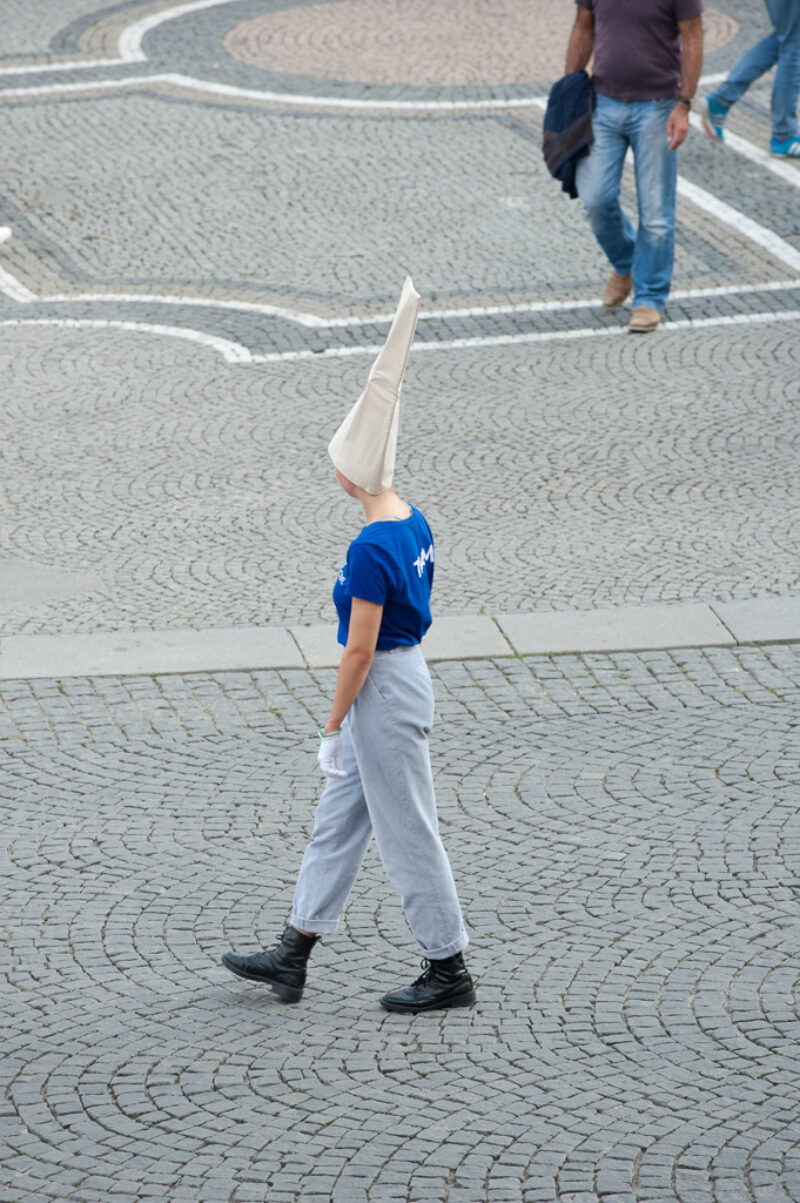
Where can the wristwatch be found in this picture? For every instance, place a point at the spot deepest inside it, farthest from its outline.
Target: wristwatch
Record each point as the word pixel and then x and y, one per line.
pixel 687 100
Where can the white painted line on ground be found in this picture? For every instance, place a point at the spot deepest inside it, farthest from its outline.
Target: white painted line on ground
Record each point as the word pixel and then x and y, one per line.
pixel 231 352
pixel 734 319
pixel 359 104
pixel 84 85
pixel 14 289
pixel 771 242
pixel 287 99
pixel 316 322
pixel 762 158
pixel 505 340
pixel 130 40
pixel 310 320
pixel 76 65
pixel 562 306
pixel 734 290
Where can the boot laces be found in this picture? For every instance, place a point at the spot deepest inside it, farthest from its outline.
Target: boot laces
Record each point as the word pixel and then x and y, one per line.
pixel 427 973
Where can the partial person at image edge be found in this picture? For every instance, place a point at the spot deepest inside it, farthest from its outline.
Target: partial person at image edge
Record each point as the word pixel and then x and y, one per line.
pixel 647 60
pixel 374 747
pixel 782 46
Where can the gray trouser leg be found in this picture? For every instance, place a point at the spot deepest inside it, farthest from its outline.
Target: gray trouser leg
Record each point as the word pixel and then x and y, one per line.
pixel 386 739
pixel 342 830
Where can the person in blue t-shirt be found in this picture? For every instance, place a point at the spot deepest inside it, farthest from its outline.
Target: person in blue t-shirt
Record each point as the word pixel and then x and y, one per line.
pixel 374 746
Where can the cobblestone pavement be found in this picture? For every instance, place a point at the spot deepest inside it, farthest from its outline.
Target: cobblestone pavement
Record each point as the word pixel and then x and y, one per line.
pixel 212 207
pixel 625 833
pixel 179 348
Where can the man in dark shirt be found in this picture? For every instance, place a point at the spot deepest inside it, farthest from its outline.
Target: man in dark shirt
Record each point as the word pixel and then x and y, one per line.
pixel 647 58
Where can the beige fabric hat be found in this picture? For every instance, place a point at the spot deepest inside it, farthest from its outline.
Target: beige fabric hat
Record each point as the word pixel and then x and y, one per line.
pixel 364 446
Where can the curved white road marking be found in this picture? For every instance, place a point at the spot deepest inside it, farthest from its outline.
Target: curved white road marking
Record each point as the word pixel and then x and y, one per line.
pixel 15 289
pixel 356 103
pixel 233 352
pixel 504 340
pixel 316 322
pixel 286 99
pixel 84 85
pixel 230 351
pixel 54 65
pixel 309 320
pixel 130 40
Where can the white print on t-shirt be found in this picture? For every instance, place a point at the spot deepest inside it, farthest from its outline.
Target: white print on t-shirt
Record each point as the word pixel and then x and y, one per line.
pixel 423 558
pixel 342 580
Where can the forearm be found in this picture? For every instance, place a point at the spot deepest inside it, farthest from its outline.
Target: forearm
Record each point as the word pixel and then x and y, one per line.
pixel 691 58
pixel 579 48
pixel 353 670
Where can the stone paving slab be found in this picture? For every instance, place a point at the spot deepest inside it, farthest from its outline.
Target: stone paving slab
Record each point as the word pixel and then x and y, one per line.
pixel 450 638
pixel 628 628
pixel 473 637
pixel 147 652
pixel 762 619
pixel 318 644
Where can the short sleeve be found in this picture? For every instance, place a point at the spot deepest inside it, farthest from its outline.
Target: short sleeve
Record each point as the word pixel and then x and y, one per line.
pixel 585 4
pixel 370 574
pixel 686 9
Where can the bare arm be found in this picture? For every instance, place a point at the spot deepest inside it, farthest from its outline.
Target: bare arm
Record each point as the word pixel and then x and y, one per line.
pixel 581 41
pixel 362 637
pixel 691 32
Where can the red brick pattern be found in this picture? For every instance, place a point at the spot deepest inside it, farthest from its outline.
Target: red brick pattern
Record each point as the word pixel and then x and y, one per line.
pixel 422 42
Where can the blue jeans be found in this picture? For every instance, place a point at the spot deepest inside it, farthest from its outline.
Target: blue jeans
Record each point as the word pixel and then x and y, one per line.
pixel 649 251
pixel 782 46
pixel 388 790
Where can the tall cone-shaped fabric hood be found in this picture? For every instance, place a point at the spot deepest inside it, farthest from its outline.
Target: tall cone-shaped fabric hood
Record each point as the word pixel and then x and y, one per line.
pixel 364 446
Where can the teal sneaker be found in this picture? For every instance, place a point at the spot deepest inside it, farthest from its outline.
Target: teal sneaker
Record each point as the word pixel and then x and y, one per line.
pixel 790 149
pixel 714 119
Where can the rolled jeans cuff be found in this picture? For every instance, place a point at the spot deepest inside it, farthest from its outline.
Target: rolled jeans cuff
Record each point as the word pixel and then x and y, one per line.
pixel 320 927
pixel 447 950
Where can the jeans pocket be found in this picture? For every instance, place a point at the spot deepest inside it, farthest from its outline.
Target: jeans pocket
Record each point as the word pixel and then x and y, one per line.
pixel 380 688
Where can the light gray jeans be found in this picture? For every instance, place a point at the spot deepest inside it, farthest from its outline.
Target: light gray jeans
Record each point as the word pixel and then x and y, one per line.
pixel 388 790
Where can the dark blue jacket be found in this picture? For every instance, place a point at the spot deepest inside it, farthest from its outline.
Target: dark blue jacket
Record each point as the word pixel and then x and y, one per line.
pixel 568 127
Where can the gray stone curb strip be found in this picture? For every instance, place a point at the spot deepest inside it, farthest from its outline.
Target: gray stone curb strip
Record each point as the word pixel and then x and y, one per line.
pixel 627 628
pixel 126 652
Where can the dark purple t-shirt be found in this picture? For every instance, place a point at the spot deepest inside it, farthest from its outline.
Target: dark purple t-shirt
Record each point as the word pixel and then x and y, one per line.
pixel 637 48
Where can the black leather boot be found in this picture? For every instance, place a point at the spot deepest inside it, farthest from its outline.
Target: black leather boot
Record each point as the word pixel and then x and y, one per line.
pixel 283 969
pixel 445 983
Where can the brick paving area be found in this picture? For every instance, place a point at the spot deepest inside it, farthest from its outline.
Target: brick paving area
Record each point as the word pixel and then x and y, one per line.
pixel 624 828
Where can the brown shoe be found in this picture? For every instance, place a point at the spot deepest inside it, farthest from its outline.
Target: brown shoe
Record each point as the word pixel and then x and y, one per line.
pixel 644 319
pixel 616 290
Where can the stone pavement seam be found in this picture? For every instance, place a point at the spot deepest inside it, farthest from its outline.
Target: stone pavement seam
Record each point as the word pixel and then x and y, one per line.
pixel 466 637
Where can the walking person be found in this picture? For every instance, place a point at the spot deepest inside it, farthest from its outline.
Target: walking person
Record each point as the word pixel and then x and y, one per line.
pixel 374 746
pixel 647 59
pixel 782 46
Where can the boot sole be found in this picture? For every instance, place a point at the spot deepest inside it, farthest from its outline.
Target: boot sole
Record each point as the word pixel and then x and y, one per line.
pixel 461 1000
pixel 289 994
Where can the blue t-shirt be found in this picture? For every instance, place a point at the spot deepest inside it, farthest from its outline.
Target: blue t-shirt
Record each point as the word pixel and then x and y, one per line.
pixel 391 564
